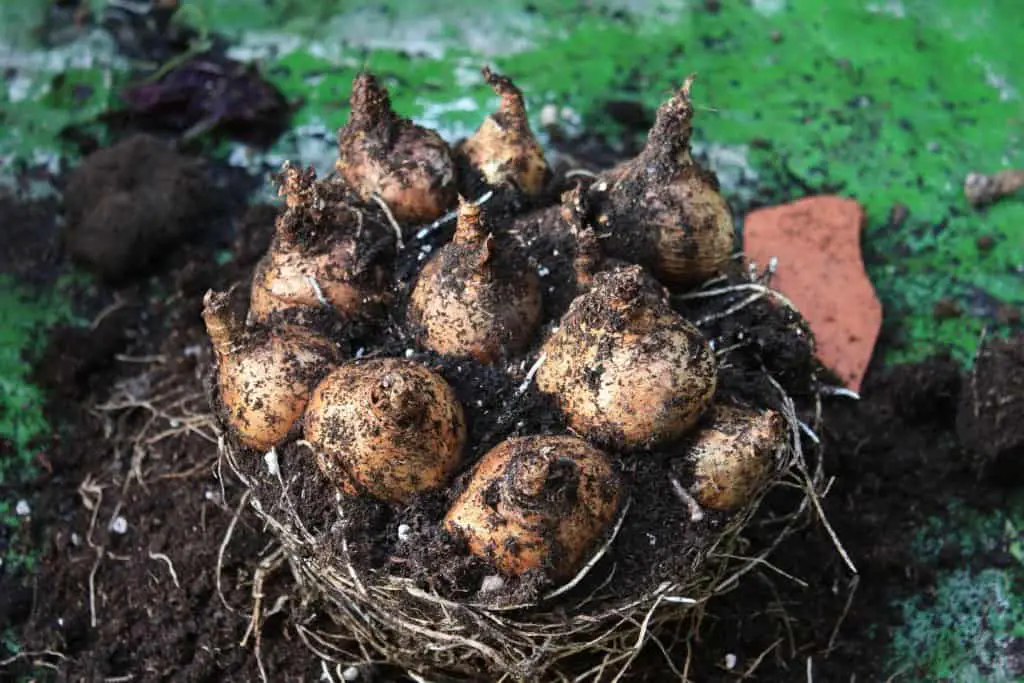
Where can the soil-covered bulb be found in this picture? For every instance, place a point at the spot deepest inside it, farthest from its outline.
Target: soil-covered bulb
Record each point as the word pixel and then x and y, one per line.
pixel 264 376
pixel 390 428
pixel 406 165
pixel 503 150
pixel 326 251
pixel 626 369
pixel 734 455
pixel 663 210
pixel 477 296
pixel 537 502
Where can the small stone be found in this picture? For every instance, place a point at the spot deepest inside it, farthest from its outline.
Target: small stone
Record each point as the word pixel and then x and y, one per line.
pixel 730 661
pixel 549 115
pixel 404 531
pixel 119 525
pixel 350 674
pixel 820 269
pixel 273 467
pixel 22 508
pixel 492 583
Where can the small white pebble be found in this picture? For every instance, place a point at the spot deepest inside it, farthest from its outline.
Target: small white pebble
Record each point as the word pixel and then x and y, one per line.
pixel 350 674
pixel 491 584
pixel 119 525
pixel 409 353
pixel 60 622
pixel 730 661
pixel 22 508
pixel 404 531
pixel 601 186
pixel 175 423
pixel 652 538
pixel 273 467
pixel 360 351
pixel 426 248
pixel 554 252
pixel 479 403
pixel 212 496
pixel 549 115
pixel 543 272
pixel 76 540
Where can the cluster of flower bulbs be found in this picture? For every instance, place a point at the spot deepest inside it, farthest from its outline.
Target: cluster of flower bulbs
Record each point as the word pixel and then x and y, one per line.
pixel 627 371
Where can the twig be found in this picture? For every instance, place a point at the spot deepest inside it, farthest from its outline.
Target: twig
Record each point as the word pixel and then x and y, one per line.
pixel 842 617
pixel 100 551
pixel 572 173
pixel 170 566
pixel 981 188
pixel 399 243
pixel 829 390
pixel 696 513
pixel 224 544
pixel 450 216
pixel 317 291
pixel 24 654
pixel 530 375
pixel 760 658
pixel 595 559
pixel 735 308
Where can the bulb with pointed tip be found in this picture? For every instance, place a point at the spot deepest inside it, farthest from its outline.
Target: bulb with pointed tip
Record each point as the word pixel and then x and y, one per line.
pixel 661 209
pixel 624 367
pixel 503 149
pixel 537 503
pixel 326 251
pixel 388 427
pixel 477 296
pixel 264 377
pixel 734 455
pixel 406 165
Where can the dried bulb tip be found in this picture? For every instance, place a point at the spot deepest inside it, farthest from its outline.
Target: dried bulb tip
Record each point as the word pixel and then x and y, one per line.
pixel 469 227
pixel 503 86
pixel 221 322
pixel 687 85
pixel 369 98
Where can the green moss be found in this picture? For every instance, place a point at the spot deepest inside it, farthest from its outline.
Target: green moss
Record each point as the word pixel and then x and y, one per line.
pixel 965 629
pixel 965 632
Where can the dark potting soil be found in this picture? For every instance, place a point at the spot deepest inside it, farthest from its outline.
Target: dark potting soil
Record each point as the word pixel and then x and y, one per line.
pixel 143 596
pixel 127 203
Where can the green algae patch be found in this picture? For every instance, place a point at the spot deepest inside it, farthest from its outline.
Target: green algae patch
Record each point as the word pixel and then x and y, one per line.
pixel 24 317
pixel 970 626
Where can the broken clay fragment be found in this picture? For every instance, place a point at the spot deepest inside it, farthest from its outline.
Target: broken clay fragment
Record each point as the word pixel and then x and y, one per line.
pixel 817 243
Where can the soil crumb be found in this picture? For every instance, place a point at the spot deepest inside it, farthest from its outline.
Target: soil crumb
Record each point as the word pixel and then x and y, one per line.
pixel 990 421
pixel 128 203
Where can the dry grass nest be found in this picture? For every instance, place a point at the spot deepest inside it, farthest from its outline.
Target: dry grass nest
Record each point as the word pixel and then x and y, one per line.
pixel 577 580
